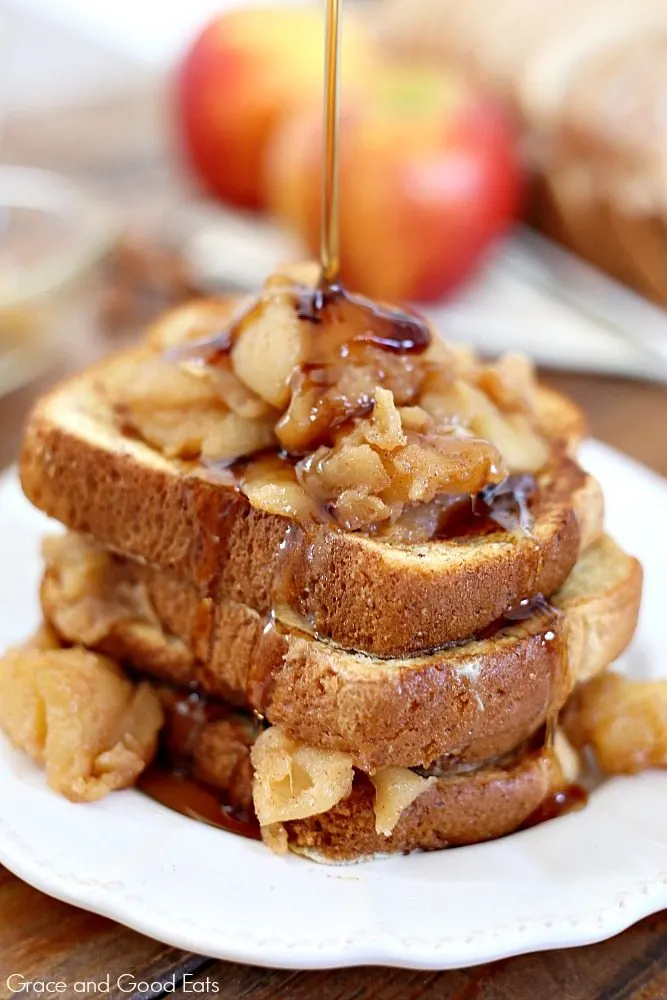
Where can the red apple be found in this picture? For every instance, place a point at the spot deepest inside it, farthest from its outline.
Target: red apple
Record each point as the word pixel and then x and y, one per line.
pixel 429 176
pixel 244 74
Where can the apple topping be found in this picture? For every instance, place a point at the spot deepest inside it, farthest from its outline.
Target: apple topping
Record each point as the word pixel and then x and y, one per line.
pixel 89 593
pixel 366 415
pixel 179 409
pixel 78 714
pixel 396 788
pixel 624 721
pixel 269 349
pixel 293 781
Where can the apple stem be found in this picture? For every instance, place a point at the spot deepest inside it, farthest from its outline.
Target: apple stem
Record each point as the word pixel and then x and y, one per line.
pixel 330 249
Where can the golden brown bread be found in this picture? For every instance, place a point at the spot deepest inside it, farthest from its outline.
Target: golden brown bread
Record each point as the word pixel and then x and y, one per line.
pixel 389 600
pixel 471 701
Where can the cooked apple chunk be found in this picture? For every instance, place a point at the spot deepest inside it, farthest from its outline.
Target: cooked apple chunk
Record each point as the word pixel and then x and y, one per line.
pixel 269 348
pixel 77 714
pixel 624 721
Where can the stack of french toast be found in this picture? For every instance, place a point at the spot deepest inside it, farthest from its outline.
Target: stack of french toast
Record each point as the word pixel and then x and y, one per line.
pixel 344 578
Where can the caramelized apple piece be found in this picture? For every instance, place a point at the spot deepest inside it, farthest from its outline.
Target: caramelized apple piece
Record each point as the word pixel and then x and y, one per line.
pixel 383 429
pixel 321 402
pixel 294 781
pixel 90 595
pixel 77 713
pixel 355 509
pixel 510 383
pixel 520 446
pixel 230 390
pixel 415 418
pixel 271 485
pixel 197 320
pixel 160 384
pixel 350 467
pixel 396 788
pixel 444 463
pixel 623 720
pixel 269 349
pixel 232 436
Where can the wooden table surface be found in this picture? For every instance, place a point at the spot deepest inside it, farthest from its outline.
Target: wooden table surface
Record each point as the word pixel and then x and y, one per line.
pixel 124 157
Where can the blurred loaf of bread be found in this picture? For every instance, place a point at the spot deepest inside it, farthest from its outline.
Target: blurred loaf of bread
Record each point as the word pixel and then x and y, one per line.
pixel 588 81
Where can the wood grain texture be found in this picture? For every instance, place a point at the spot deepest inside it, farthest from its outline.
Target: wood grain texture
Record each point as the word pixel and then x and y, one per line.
pixel 41 938
pixel 632 967
pixel 124 156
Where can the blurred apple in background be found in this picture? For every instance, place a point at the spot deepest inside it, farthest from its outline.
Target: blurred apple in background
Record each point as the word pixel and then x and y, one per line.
pixel 429 171
pixel 246 72
pixel 429 176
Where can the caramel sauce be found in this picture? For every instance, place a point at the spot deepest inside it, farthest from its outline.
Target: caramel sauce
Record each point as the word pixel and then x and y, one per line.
pixel 505 505
pixel 169 780
pixel 268 652
pixel 520 612
pixel 566 800
pixel 194 800
pixel 508 503
pixel 528 607
pixel 349 320
pixel 344 322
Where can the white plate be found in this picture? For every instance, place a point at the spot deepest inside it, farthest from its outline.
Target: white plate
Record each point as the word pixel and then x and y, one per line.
pixel 578 879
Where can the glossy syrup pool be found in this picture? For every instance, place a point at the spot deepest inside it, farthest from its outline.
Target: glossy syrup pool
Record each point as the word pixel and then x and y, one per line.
pixel 565 800
pixel 190 798
pixel 170 779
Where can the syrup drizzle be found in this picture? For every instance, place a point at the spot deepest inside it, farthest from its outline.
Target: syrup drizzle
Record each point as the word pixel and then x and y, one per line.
pixel 170 781
pixel 192 799
pixel 329 246
pixel 508 503
pixel 565 800
pixel 342 322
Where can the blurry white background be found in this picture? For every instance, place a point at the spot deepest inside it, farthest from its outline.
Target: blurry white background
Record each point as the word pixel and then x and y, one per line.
pixel 124 39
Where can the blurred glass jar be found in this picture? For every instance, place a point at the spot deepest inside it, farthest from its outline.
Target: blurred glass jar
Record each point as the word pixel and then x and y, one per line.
pixel 52 236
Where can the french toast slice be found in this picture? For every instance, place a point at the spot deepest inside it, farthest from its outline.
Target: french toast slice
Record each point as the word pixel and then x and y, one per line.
pixel 361 592
pixel 470 701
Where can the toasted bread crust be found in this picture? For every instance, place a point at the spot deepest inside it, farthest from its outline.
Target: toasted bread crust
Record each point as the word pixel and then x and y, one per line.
pixel 471 701
pixel 364 594
pixel 456 810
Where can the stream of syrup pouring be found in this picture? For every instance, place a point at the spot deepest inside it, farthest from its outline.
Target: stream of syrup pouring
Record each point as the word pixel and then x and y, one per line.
pixel 391 329
pixel 330 234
